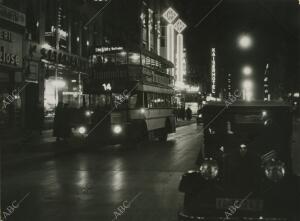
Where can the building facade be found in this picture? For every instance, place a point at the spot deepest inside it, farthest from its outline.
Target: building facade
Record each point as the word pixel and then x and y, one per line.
pixel 12 28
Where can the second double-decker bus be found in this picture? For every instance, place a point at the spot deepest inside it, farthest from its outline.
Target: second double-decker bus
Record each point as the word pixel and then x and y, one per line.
pixel 129 96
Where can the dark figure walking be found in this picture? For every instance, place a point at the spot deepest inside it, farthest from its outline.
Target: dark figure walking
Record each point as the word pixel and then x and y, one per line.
pixel 67 121
pixel 182 113
pixel 58 121
pixel 188 113
pixel 39 118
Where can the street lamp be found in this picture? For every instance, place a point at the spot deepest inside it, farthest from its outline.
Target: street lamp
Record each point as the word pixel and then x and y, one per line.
pixel 247 70
pixel 245 41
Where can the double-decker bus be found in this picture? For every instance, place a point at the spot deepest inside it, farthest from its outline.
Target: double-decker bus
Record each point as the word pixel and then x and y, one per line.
pixel 130 93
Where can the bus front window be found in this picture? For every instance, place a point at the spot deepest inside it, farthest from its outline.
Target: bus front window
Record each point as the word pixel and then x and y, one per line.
pixel 134 100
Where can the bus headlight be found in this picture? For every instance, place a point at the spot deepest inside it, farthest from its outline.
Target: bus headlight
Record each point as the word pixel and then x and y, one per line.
pixel 117 129
pixel 82 130
pixel 274 170
pixel 209 169
pixel 88 113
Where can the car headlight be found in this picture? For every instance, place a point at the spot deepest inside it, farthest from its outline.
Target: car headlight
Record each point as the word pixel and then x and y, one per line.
pixel 209 169
pixel 82 130
pixel 274 170
pixel 117 129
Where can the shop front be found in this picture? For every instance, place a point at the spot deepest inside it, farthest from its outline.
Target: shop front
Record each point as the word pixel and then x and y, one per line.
pixel 11 72
pixel 60 78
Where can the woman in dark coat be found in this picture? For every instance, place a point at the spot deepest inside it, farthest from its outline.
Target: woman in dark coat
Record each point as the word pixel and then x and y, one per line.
pixel 58 126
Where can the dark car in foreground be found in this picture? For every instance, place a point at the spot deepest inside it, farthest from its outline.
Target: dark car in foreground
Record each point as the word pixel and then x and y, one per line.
pixel 245 168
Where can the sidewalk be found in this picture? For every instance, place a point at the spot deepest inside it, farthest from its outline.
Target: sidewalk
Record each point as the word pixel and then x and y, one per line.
pixel 181 123
pixel 16 150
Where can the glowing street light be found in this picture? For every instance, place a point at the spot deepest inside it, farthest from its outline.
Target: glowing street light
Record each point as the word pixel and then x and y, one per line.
pixel 247 70
pixel 245 41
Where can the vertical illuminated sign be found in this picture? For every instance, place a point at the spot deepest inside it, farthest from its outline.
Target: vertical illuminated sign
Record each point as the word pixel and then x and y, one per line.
pixel 170 15
pixel 179 26
pixel 213 71
pixel 170 43
pixel 179 57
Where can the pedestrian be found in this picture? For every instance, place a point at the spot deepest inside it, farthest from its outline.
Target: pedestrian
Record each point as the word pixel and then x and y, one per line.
pixel 67 116
pixel 39 118
pixel 188 114
pixel 58 122
pixel 182 113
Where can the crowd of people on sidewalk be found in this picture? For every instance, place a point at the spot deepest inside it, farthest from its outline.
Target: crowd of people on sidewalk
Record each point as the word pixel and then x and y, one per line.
pixel 182 113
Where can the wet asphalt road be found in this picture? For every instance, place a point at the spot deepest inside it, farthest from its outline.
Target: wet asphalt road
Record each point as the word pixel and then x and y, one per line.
pixel 92 184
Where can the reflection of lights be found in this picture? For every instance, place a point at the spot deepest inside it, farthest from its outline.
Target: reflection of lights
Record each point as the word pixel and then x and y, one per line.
pixel 87 43
pixel 247 70
pixel 245 41
pixel 59 83
pixel 77 39
pixel 297 94
pixel 83 178
pixel 73 81
pixel 142 110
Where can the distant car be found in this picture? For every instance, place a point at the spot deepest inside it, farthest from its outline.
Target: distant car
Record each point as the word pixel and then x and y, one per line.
pixel 245 169
pixel 199 117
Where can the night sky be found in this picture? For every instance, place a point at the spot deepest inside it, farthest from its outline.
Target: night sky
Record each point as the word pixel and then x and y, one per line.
pixel 272 26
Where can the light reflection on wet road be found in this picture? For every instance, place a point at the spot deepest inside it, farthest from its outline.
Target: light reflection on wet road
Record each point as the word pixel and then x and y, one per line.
pixel 92 184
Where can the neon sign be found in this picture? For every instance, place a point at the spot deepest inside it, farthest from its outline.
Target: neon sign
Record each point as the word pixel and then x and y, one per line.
pixel 213 71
